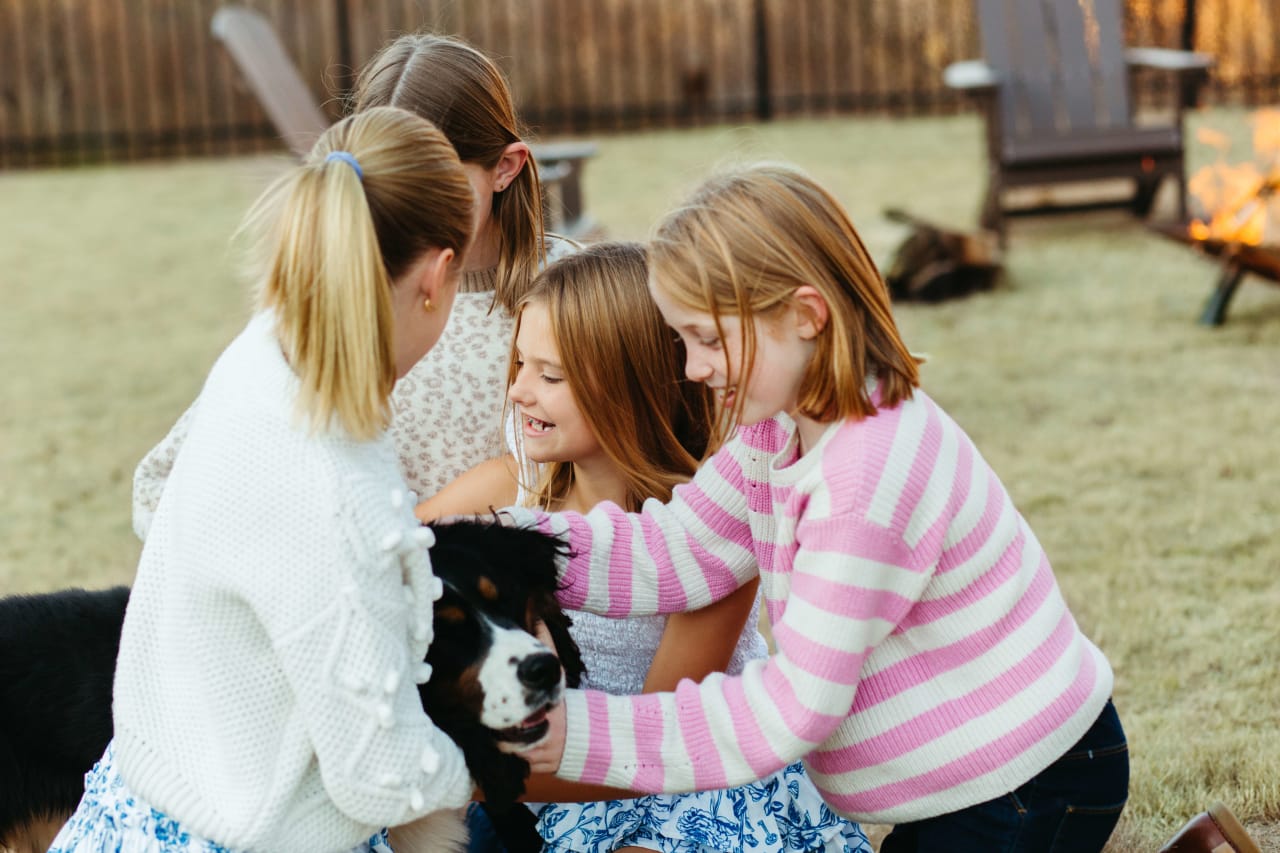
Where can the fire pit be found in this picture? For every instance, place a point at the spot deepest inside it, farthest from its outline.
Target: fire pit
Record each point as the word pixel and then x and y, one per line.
pixel 1237 259
pixel 1240 203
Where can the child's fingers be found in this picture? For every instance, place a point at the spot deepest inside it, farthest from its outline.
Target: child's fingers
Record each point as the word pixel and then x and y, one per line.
pixel 544 636
pixel 544 756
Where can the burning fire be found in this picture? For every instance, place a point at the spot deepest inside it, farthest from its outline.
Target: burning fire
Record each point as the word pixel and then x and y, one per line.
pixel 1239 196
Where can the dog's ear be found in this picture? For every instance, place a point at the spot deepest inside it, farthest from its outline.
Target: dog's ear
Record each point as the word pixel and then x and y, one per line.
pixel 540 552
pixel 558 624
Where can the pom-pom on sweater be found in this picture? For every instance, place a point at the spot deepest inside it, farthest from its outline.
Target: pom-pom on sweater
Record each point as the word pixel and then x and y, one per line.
pixel 265 695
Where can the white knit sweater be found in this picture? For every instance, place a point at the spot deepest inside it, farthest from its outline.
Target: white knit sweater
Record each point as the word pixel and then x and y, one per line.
pixel 265 695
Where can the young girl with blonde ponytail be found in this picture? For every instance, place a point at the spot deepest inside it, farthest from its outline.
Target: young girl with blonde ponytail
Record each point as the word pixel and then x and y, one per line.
pixel 445 410
pixel 265 694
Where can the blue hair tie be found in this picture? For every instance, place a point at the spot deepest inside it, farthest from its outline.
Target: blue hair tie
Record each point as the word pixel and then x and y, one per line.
pixel 348 158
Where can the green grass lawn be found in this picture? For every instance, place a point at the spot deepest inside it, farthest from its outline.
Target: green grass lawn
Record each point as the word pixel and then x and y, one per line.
pixel 1141 446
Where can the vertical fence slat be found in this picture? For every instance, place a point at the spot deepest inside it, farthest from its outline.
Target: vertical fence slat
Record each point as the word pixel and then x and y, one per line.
pixel 197 74
pixel 617 62
pixel 142 36
pixel 529 78
pixel 75 75
pixel 50 117
pixel 17 104
pixel 175 74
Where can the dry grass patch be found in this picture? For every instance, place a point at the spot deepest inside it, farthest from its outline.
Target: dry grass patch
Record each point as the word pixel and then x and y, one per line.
pixel 1140 445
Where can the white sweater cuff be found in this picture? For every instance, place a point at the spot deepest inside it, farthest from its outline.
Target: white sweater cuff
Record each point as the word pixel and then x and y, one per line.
pixel 577 736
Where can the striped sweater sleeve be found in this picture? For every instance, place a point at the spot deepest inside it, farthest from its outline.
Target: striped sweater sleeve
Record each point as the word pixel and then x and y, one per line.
pixel 850 583
pixel 669 558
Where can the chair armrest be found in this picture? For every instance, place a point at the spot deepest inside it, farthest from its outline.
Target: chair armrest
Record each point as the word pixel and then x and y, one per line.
pixel 1165 59
pixel 1190 67
pixel 550 153
pixel 560 166
pixel 554 172
pixel 971 75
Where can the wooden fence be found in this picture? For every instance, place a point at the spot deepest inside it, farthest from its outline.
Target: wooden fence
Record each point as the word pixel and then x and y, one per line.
pixel 92 80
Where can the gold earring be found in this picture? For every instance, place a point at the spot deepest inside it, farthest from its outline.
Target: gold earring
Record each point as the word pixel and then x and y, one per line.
pixel 427 304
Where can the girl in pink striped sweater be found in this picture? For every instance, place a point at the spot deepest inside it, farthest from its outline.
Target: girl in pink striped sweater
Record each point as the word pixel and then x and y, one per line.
pixel 927 668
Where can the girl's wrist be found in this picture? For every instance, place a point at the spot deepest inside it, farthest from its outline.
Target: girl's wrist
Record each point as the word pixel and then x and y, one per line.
pixel 573 757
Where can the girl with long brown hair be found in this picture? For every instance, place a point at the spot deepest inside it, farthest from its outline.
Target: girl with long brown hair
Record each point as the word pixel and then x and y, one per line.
pixel 604 414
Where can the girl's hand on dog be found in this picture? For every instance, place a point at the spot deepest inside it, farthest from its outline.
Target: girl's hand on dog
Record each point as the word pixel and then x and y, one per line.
pixel 544 636
pixel 544 756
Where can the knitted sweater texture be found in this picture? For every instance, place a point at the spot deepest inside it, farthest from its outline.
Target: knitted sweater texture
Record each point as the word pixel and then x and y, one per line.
pixel 265 694
pixel 926 660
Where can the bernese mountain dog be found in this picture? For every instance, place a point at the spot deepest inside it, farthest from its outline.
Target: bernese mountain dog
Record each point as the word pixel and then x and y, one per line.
pixel 492 681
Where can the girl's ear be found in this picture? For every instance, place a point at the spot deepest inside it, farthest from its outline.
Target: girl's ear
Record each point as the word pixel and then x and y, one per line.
pixel 812 311
pixel 510 164
pixel 436 273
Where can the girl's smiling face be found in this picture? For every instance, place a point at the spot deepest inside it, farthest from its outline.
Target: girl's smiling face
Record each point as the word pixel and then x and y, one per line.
pixel 552 425
pixel 772 383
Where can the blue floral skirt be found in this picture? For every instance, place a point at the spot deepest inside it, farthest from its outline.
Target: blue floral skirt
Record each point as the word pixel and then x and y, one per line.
pixel 781 812
pixel 110 819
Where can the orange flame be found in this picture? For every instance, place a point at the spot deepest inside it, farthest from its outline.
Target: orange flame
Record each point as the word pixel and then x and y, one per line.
pixel 1238 196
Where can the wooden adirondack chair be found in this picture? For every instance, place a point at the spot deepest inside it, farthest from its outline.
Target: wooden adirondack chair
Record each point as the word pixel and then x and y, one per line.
pixel 271 76
pixel 274 80
pixel 1055 91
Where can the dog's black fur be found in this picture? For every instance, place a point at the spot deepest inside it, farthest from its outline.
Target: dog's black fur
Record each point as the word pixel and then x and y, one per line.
pixel 507 576
pixel 58 652
pixel 57 660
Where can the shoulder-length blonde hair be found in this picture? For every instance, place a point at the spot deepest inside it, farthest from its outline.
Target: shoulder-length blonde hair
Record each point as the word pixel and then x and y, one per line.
pixel 626 371
pixel 743 243
pixel 334 240
pixel 460 90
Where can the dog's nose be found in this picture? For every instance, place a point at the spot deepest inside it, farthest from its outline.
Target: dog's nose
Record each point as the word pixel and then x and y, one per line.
pixel 540 671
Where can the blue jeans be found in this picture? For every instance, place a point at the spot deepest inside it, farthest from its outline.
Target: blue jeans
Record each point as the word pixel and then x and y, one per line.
pixel 1071 807
pixel 483 838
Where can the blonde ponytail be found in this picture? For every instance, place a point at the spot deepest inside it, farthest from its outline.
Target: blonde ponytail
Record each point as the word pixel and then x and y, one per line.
pixel 340 231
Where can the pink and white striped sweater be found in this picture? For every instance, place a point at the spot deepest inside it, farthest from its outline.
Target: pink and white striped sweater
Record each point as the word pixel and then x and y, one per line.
pixel 926 660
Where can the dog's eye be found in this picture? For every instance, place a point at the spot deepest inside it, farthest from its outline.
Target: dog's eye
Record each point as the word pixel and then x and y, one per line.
pixel 450 614
pixel 487 588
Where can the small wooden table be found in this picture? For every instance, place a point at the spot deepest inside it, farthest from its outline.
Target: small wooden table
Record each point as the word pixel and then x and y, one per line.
pixel 560 166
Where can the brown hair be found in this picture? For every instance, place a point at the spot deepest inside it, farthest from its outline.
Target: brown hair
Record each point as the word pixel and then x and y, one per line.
pixel 334 240
pixel 744 242
pixel 625 369
pixel 459 89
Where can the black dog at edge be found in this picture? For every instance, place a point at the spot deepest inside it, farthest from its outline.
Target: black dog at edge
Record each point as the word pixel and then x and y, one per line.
pixel 58 652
